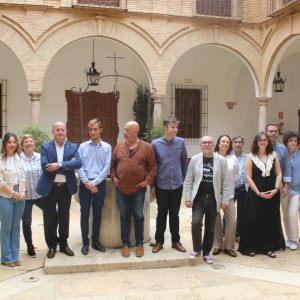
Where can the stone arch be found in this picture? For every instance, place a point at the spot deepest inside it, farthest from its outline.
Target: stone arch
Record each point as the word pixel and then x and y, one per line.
pixel 283 36
pixel 233 42
pixel 90 27
pixel 17 43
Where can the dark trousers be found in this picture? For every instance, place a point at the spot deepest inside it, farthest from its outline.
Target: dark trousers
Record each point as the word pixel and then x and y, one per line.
pixel 61 197
pixel 27 219
pixel 168 201
pixel 96 200
pixel 204 204
pixel 239 196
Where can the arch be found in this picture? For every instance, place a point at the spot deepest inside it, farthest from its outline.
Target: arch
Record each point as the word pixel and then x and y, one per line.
pixel 282 37
pixel 96 27
pixel 17 43
pixel 230 41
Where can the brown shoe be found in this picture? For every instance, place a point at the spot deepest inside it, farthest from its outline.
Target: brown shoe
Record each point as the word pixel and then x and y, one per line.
pixel 139 251
pixel 157 248
pixel 67 251
pixel 217 251
pixel 125 251
pixel 8 264
pixel 17 263
pixel 51 253
pixel 178 246
pixel 230 252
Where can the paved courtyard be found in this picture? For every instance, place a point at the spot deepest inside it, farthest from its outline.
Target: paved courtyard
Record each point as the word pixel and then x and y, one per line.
pixel 171 276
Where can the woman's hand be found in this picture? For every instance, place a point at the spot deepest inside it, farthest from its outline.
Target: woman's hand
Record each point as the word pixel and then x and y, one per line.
pixel 188 203
pixel 269 194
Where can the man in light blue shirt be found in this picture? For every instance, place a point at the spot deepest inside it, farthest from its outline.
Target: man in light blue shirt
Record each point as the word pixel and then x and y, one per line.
pixel 272 131
pixel 96 157
pixel 171 160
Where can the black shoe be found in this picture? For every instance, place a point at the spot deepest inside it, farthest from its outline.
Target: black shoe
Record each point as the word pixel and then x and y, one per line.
pixel 30 251
pixel 97 246
pixel 66 250
pixel 85 250
pixel 51 253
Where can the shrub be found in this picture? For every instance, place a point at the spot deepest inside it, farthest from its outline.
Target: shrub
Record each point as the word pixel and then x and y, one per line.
pixel 39 134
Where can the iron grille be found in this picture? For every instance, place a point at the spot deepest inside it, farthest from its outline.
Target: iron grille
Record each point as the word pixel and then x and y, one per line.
pixel 110 3
pixel 276 5
pixel 3 107
pixel 189 104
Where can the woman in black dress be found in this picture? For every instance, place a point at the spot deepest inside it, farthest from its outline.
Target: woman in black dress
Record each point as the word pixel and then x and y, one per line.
pixel 261 230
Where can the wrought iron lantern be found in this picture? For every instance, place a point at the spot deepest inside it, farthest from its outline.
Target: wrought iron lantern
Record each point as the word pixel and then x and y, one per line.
pixel 92 75
pixel 278 82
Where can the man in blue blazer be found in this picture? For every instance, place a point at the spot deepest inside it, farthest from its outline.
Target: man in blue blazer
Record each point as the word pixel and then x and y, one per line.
pixel 59 159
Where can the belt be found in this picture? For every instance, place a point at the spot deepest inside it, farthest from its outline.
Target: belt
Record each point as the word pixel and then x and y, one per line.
pixel 59 184
pixel 241 188
pixel 206 196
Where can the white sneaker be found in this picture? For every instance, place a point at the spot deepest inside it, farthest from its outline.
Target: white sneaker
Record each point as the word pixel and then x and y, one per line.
pixel 195 255
pixel 293 245
pixel 207 259
pixel 287 244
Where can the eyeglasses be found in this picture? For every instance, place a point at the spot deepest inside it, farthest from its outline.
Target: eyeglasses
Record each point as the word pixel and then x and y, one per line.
pixel 206 143
pixel 237 142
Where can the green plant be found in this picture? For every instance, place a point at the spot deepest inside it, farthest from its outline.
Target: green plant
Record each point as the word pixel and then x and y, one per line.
pixel 156 132
pixel 140 110
pixel 39 134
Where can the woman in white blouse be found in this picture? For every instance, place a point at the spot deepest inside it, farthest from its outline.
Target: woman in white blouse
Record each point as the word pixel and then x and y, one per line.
pixel 224 148
pixel 12 195
pixel 31 163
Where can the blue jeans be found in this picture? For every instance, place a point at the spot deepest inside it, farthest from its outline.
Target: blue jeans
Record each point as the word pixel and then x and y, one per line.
pixel 27 218
pixel 11 212
pixel 132 205
pixel 88 199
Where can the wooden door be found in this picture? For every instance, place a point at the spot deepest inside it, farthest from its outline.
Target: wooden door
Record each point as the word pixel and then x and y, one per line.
pixel 95 105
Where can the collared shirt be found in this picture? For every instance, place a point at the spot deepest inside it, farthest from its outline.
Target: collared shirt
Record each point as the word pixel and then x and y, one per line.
pixel 294 185
pixel 241 179
pixel 60 157
pixel 96 159
pixel 32 169
pixel 284 160
pixel 172 161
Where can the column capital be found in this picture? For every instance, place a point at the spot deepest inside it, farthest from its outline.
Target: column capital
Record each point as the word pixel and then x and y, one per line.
pixel 263 101
pixel 159 98
pixel 35 96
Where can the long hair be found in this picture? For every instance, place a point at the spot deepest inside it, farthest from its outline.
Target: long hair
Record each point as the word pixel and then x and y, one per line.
pixel 218 142
pixel 254 147
pixel 7 136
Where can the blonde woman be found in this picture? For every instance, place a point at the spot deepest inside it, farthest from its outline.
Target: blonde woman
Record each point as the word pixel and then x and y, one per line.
pixel 12 195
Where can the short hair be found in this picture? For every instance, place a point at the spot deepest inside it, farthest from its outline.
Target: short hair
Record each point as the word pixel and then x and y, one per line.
pixel 289 134
pixel 272 124
pixel 170 120
pixel 254 147
pixel 93 122
pixel 25 137
pixel 238 137
pixel 218 142
pixel 7 136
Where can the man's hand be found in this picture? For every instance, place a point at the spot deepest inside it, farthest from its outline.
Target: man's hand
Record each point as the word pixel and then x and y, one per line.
pixel 188 203
pixel 116 181
pixel 52 167
pixel 285 190
pixel 152 191
pixel 89 185
pixel 141 184
pixel 223 205
pixel 94 190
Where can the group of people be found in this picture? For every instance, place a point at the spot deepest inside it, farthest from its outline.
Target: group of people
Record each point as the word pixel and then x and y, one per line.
pixel 213 181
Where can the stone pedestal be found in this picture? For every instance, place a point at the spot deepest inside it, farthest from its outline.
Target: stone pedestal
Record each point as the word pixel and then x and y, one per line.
pixel 110 230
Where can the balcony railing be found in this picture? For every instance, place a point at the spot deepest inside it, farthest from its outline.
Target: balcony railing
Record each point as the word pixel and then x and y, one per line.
pixel 101 3
pixel 276 5
pixel 219 8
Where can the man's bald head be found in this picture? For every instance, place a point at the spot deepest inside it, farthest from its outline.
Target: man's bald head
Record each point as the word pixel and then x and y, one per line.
pixel 131 132
pixel 59 132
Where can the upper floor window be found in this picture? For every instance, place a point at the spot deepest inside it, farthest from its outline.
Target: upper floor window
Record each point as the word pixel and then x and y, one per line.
pixel 221 8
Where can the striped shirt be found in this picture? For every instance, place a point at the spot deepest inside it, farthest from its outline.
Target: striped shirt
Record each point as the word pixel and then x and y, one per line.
pixel 32 169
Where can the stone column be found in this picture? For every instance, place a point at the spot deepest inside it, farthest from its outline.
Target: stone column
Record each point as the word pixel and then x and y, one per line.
pixel 262 112
pixel 157 109
pixel 35 107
